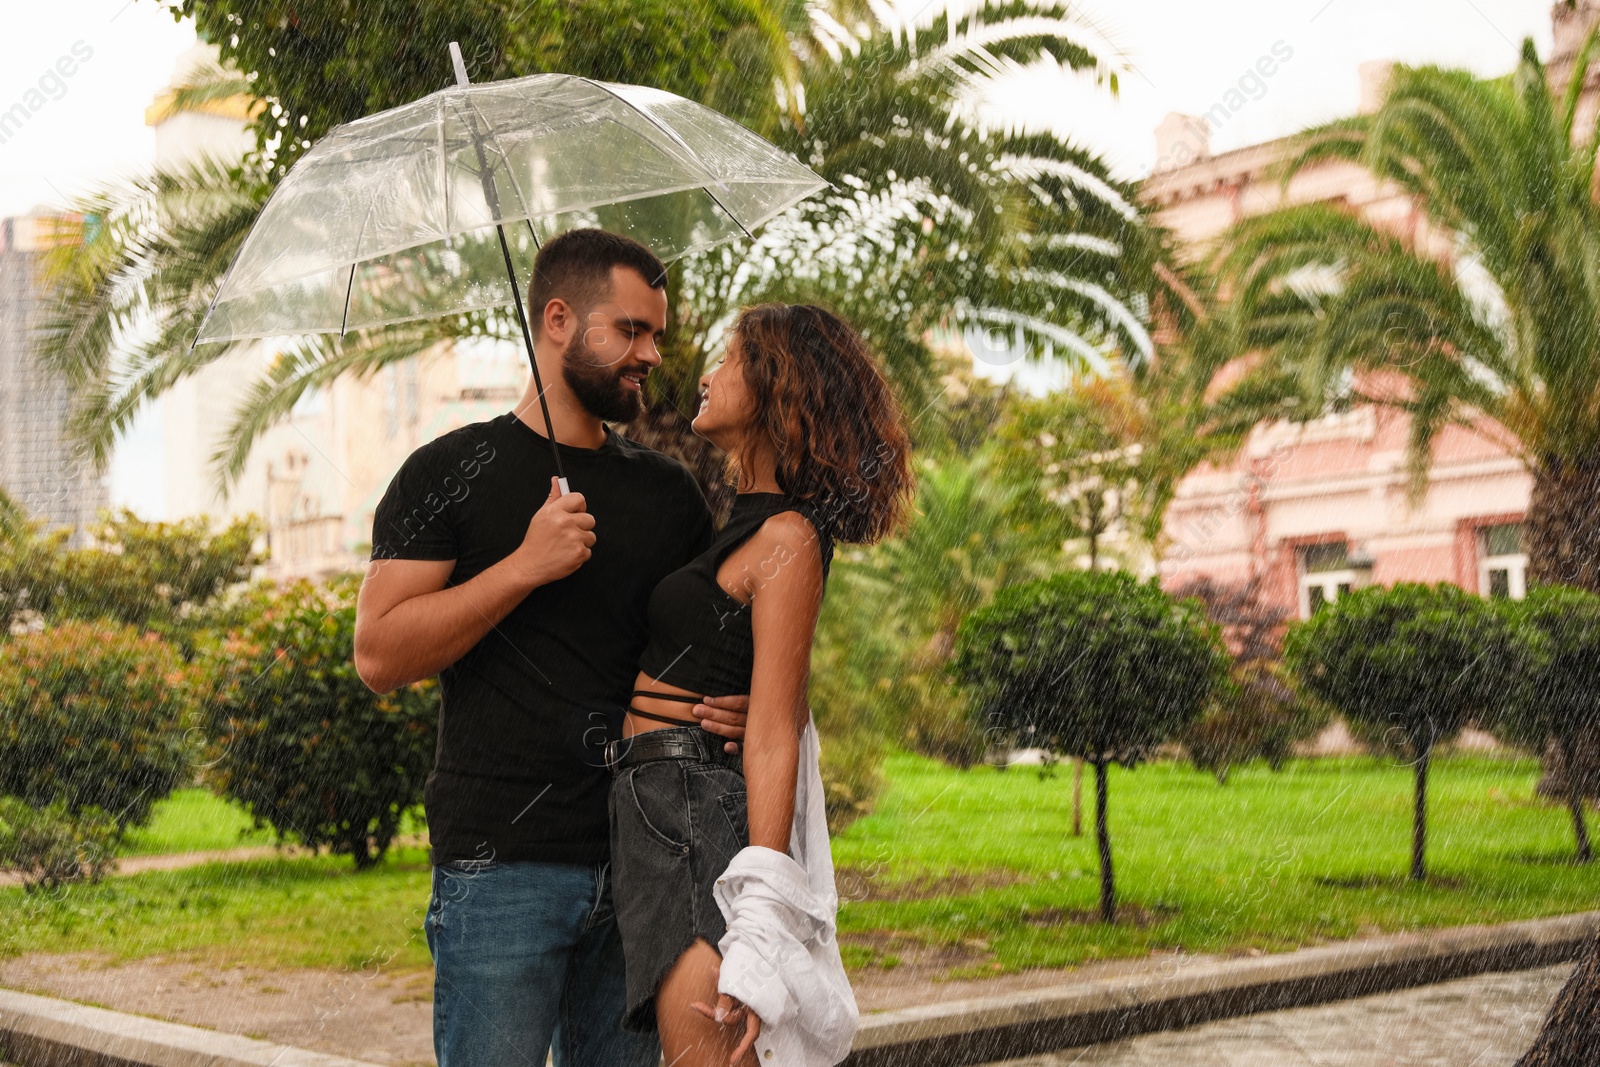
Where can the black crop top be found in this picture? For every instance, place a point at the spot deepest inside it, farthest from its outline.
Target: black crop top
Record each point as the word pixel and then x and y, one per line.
pixel 700 637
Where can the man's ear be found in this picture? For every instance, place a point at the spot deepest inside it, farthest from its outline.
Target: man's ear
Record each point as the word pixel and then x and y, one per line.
pixel 558 321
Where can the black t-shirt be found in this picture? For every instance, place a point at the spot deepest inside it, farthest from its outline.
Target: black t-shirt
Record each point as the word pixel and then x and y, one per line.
pixel 519 772
pixel 700 634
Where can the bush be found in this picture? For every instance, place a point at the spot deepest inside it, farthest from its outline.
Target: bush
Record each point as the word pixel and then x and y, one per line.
pixel 1409 666
pixel 847 656
pixel 852 774
pixel 93 715
pixel 152 575
pixel 1096 665
pixel 1557 705
pixel 1256 716
pixel 300 740
pixel 52 846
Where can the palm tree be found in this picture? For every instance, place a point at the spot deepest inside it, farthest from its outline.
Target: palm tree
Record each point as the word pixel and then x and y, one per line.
pixel 133 286
pixel 1500 331
pixel 934 222
pixel 1502 334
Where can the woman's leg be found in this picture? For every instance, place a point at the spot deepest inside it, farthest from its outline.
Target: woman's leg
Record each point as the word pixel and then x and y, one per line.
pixel 689 1039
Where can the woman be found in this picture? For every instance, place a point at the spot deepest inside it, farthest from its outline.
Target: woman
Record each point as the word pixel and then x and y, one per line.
pixel 817 446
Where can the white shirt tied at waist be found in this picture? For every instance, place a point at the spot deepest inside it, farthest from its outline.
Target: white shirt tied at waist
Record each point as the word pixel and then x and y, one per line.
pixel 780 955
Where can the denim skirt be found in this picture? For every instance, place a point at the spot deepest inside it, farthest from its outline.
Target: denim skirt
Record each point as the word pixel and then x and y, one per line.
pixel 676 824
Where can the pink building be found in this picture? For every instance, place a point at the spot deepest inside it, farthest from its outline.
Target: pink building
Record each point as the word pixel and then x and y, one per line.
pixel 1316 510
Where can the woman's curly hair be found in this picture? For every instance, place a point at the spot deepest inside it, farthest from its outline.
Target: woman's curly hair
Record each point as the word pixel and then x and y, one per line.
pixel 833 421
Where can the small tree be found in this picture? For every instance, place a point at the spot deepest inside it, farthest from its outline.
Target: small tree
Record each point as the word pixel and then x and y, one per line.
pixel 1409 666
pixel 301 741
pixel 93 716
pixel 1558 703
pixel 1081 457
pixel 1103 666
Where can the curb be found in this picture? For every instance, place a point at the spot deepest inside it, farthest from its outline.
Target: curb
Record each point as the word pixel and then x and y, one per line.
pixel 44 1032
pixel 1087 1013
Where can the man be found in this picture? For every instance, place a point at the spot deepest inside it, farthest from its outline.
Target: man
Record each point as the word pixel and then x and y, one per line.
pixel 530 606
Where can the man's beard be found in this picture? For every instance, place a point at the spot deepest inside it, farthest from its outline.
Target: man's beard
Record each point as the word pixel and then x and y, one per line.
pixel 599 387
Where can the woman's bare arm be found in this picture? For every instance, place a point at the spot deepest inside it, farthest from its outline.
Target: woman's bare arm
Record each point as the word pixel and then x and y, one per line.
pixel 786 572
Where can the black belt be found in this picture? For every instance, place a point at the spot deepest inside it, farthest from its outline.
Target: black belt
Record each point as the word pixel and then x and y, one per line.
pixel 683 743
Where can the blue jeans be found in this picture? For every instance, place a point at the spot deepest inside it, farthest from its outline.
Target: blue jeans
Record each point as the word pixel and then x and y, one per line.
pixel 528 961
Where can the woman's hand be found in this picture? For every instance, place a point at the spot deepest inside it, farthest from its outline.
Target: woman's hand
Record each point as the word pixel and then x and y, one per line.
pixel 728 1012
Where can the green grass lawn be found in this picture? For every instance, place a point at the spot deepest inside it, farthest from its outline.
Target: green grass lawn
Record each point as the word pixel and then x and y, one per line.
pixel 304 912
pixel 981 864
pixel 194 820
pixel 975 870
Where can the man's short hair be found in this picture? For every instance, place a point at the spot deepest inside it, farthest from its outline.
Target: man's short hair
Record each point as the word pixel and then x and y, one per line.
pixel 576 267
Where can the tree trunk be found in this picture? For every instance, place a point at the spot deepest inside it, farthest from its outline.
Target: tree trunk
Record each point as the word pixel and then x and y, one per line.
pixel 1077 796
pixel 1567 1039
pixel 1419 820
pixel 362 852
pixel 1575 802
pixel 1563 546
pixel 1585 758
pixel 1563 526
pixel 1108 884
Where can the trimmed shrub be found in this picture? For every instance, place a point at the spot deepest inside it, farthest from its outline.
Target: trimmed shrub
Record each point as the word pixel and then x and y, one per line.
pixel 1409 666
pixel 300 740
pixel 1257 715
pixel 1557 705
pixel 93 715
pixel 1094 665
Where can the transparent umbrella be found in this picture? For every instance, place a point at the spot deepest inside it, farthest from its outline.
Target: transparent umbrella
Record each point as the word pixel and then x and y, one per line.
pixel 437 208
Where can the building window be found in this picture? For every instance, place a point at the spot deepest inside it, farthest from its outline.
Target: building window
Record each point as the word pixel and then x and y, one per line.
pixel 1502 564
pixel 1326 573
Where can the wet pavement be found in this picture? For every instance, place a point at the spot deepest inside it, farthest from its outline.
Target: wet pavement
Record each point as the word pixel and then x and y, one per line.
pixel 1486 1021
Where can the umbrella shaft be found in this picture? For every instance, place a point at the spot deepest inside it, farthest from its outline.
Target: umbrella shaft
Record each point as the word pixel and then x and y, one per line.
pixel 491 196
pixel 527 339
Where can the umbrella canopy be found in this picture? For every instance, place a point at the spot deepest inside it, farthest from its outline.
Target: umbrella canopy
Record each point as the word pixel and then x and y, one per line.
pixel 399 216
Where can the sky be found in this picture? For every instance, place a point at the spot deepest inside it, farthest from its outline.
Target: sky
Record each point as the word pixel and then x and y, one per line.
pixel 1180 56
pixel 85 70
pixel 1184 56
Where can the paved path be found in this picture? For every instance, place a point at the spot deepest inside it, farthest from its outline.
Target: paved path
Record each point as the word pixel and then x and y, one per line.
pixel 177 861
pixel 1486 1021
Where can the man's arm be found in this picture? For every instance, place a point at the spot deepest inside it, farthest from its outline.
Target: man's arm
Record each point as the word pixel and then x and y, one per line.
pixel 409 626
